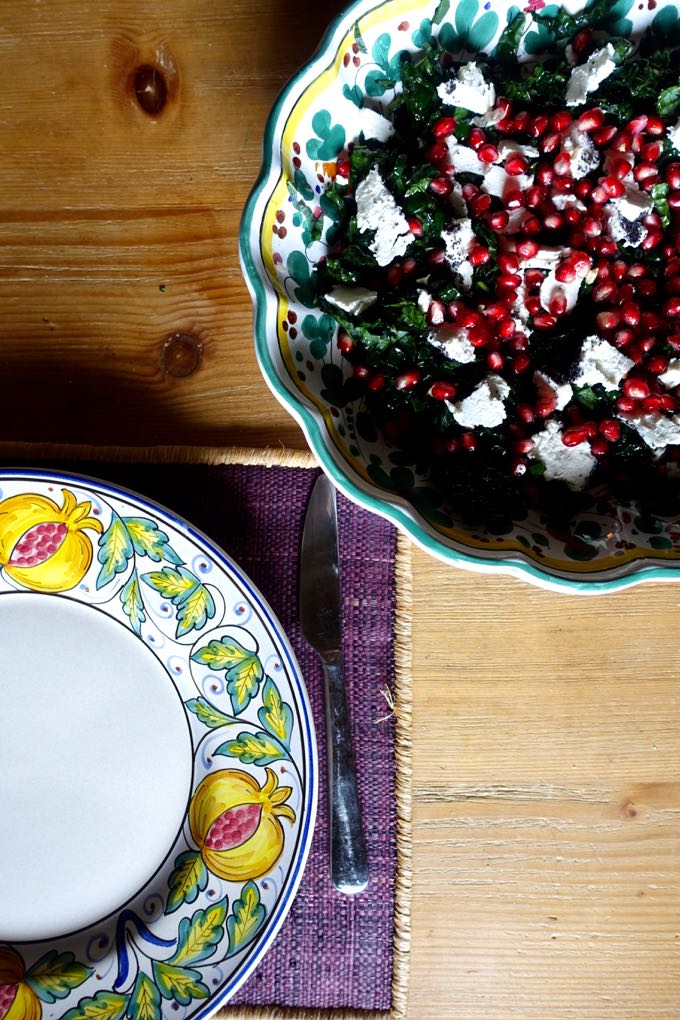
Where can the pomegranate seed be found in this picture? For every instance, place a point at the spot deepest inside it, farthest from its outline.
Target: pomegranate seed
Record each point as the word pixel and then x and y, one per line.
pixel 672 307
pixel 506 328
pixel 657 364
pixel 613 186
pixel 394 275
pixel 504 105
pixel 619 167
pixel 637 124
pixel 515 199
pixel 505 125
pixel 468 440
pixel 487 153
pixel 652 404
pixel 591 119
pixel 508 281
pixel 522 121
pixel 345 342
pixel 478 336
pixel 550 142
pixel 469 317
pixel 625 404
pixel 604 135
pixel 377 382
pixel 469 191
pixel 522 446
pixel 557 305
pixel 360 372
pixel 625 294
pixel 622 142
pixel 499 220
pixel 553 221
pixel 521 363
pixel 619 270
pixel 444 127
pixel 407 380
pixel 674 341
pixel 582 42
pixel 606 247
pixel 531 225
pixel 443 391
pixel 527 249
pixel 495 360
pixel 672 176
pixel 653 238
pixel 655 127
pixel 591 226
pixel 651 152
pixel 575 435
pixel 409 266
pixel 436 257
pixel 636 389
pixel 673 267
pixel 479 255
pixel 476 138
pixel 560 121
pixel 538 126
pixel 435 313
pixel 647 288
pixel 546 406
pixel 606 321
pixel 453 445
pixel 583 189
pixel 516 165
pixel 599 447
pixel 643 171
pixel 674 200
pixel 631 313
pixel 668 403
pixel 480 204
pixel 562 164
pixel 650 321
pixel 525 413
pixel 441 186
pixel 647 344
pixel 599 195
pixel 533 305
pixel 565 272
pixel 610 429
pixel 508 262
pixel 533 277
pixel 636 270
pixel 415 226
pixel 535 195
pixel 603 291
pixel 544 321
pixel 437 155
pixel 545 174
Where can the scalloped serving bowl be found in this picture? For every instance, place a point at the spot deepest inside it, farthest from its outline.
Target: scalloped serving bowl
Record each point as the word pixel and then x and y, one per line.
pixel 282 238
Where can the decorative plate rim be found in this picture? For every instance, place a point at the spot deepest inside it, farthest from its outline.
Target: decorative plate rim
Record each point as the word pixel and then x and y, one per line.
pixel 389 505
pixel 309 751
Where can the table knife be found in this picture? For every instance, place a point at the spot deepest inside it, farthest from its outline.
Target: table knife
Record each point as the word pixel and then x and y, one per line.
pixel 320 619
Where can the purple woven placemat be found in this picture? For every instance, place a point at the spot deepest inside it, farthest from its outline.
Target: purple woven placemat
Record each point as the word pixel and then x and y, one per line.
pixel 334 951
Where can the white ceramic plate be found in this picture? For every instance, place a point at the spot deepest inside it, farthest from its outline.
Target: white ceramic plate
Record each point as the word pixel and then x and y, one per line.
pixel 157 759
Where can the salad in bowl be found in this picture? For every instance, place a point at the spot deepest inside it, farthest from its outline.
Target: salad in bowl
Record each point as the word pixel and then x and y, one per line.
pixel 465 255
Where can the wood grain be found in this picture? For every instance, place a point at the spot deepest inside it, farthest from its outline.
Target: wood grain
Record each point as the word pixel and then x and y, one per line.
pixel 546 750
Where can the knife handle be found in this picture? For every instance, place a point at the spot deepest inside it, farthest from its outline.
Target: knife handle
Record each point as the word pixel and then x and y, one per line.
pixel 349 868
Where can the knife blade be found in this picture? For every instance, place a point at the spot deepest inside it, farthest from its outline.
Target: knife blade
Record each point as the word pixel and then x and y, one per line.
pixel 321 622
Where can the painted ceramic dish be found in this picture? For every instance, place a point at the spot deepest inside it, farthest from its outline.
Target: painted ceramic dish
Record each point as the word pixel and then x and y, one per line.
pixel 285 231
pixel 158 760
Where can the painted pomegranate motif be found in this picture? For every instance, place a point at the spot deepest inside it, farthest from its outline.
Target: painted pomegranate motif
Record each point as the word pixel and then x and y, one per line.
pixel 42 545
pixel 17 1000
pixel 236 823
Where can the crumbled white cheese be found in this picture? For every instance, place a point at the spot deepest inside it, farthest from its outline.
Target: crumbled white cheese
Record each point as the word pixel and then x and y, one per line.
pixel 674 136
pixel 570 464
pixel 457 240
pixel 497 182
pixel 630 233
pixel 656 430
pixel 588 76
pixel 547 257
pixel 569 54
pixel 552 287
pixel 582 151
pixel 469 90
pixel 464 159
pixel 671 377
pixel 567 200
pixel 634 203
pixel 516 218
pixel 507 148
pixel 378 211
pixel 424 300
pixel 519 306
pixel 457 199
pixel 353 300
pixel 562 392
pixel 453 342
pixel 374 125
pixel 601 362
pixel 489 119
pixel 485 406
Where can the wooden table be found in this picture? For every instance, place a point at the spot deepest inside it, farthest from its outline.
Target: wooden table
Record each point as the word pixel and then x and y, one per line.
pixel 546 727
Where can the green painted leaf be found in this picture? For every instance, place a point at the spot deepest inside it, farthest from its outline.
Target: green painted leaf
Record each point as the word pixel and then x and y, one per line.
pixel 223 654
pixel 55 974
pixel 359 38
pixel 133 605
pixel 466 12
pixel 199 936
pixel 149 540
pixel 353 94
pixel 377 83
pixel 441 11
pixel 179 984
pixel 242 667
pixel 104 1006
pixel 298 268
pixel 188 879
pixel 195 605
pixel 247 918
pixel 302 185
pixel 115 551
pixel 660 542
pixel 329 140
pixel 208 714
pixel 253 749
pixel 275 715
pixel 381 52
pixel 170 583
pixel 483 31
pixel 145 1000
pixel 195 610
pixel 319 332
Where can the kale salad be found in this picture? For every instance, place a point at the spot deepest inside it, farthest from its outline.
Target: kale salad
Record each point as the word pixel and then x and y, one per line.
pixel 506 270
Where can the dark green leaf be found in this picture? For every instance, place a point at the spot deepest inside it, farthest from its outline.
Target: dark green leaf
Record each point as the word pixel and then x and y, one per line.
pixel 441 11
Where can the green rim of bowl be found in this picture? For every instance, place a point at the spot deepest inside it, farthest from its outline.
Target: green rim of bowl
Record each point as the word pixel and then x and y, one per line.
pixel 637 572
